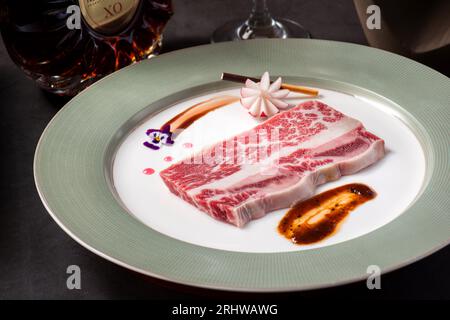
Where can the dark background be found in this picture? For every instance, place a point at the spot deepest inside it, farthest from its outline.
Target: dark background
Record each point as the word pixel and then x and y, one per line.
pixel 35 252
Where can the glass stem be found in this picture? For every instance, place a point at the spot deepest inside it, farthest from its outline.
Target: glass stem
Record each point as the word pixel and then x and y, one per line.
pixel 260 15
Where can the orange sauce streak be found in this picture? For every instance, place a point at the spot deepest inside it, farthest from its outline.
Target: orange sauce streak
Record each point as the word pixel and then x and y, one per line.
pixel 191 114
pixel 318 217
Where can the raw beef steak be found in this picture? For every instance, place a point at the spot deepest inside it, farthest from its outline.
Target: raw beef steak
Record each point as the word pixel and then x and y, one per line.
pixel 275 164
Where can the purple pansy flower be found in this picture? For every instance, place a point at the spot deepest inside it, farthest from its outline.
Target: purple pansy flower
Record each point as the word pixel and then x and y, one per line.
pixel 158 137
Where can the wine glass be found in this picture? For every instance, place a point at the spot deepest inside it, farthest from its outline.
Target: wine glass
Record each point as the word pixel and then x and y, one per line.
pixel 260 24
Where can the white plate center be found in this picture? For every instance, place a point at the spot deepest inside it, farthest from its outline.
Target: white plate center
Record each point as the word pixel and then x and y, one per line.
pixel 397 178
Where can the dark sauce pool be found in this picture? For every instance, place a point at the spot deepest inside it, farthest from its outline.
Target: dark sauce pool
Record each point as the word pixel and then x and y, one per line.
pixel 318 217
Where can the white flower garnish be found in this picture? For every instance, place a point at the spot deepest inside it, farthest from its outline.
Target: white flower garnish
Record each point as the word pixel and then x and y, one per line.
pixel 263 99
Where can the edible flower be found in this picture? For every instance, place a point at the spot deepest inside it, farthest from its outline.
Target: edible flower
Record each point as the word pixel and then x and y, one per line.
pixel 263 99
pixel 158 137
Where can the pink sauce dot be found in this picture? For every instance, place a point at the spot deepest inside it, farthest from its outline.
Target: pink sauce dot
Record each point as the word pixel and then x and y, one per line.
pixel 168 158
pixel 188 145
pixel 148 171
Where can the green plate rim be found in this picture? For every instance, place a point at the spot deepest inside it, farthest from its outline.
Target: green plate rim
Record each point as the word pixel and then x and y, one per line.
pixel 70 175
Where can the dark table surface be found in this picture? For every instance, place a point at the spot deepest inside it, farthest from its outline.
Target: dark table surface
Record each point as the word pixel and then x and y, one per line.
pixel 35 252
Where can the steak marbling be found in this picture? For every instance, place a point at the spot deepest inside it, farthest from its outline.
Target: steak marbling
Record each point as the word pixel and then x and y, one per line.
pixel 305 146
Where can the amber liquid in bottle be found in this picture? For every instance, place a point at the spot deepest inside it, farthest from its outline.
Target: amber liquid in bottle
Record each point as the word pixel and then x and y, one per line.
pixel 63 60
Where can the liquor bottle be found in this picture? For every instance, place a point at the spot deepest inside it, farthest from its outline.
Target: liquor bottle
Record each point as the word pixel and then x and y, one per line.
pixel 65 45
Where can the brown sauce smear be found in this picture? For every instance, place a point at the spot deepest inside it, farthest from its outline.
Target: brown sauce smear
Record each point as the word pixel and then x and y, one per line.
pixel 318 217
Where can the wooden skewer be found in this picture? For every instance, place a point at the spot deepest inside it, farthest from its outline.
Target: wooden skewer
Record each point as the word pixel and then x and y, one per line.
pixel 291 87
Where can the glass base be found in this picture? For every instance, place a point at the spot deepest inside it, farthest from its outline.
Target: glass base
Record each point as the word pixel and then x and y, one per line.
pixel 279 29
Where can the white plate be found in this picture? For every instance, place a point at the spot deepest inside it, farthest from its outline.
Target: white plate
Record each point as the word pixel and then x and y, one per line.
pixel 397 178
